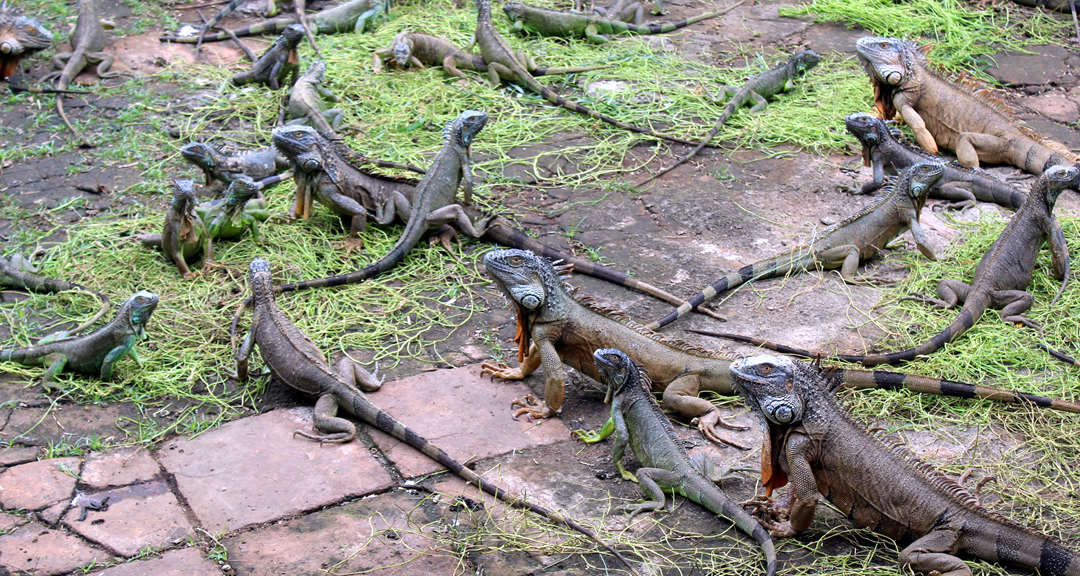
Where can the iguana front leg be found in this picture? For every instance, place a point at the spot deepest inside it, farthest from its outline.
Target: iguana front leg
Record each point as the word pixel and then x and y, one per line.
pixel 532 361
pixel 1059 256
pixel 115 355
pixel 804 488
pixel 921 241
pixel 361 21
pixel 55 363
pixel 618 445
pixel 917 124
pixel 554 387
pixel 593 35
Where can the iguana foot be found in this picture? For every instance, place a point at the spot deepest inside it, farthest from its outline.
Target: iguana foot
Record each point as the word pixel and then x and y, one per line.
pixel 586 436
pixel 350 244
pixel 530 406
pixel 707 424
pixel 772 514
pixel 500 370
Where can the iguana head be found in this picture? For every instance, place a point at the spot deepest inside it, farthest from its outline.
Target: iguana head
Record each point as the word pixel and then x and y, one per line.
pixel 402 48
pixel 260 279
pixel 869 130
pixel 205 156
pixel 301 145
pixel 920 178
pixel 767 383
pixel 137 310
pixel 514 10
pixel 20 36
pixel 1056 179
pixel 805 60
pixel 617 370
pixel 890 63
pixel 240 190
pixel 465 127
pixel 522 276
pixel 316 71
pixel 292 34
pixel 183 198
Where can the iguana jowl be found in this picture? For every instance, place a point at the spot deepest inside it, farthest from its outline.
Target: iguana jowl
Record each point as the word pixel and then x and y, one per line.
pixel 845 244
pixel 812 440
pixel 637 420
pixel 20 36
pixel 950 116
pixel 547 22
pixel 1001 278
pixel 294 360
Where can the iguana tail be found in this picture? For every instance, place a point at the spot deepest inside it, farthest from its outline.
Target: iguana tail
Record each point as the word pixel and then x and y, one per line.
pixel 714 500
pixel 364 409
pixel 554 98
pixel 664 27
pixel 63 116
pixel 213 22
pixel 1036 155
pixel 266 26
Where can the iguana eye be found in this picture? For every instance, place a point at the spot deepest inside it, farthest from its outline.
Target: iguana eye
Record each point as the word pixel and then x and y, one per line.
pixel 883 45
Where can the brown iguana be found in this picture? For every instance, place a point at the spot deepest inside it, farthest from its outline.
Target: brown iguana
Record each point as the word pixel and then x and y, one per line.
pixel 184 235
pixel 757 89
pixel 87 47
pixel 16 272
pixel 874 480
pixel 952 116
pixel 307 101
pixel 20 36
pixel 555 328
pixel 1001 278
pixel 547 22
pixel 279 65
pixel 351 16
pixel 845 244
pixel 293 359
pixel 506 64
pixel 637 420
pixel 959 184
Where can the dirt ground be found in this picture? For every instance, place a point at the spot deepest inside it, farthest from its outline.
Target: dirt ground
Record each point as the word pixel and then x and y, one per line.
pixel 682 234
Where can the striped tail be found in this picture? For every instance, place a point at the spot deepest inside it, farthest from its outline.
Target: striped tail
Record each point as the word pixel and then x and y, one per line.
pixel 1039 156
pixel 392 258
pixel 273 180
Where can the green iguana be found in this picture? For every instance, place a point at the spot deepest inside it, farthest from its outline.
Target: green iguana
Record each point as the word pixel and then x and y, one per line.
pixel 545 22
pixel 874 480
pixel 506 64
pixel 307 101
pixel 1001 278
pixel 433 203
pixel 351 16
pixel 845 244
pixel 87 47
pixel 555 328
pixel 20 36
pixel 184 235
pixel 959 184
pixel 216 165
pixel 97 352
pixel 293 359
pixel 18 273
pixel 637 420
pixel 279 65
pixel 955 117
pixel 757 89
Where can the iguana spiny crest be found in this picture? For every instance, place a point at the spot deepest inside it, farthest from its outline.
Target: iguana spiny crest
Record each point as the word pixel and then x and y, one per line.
pixel 20 36
pixel 465 127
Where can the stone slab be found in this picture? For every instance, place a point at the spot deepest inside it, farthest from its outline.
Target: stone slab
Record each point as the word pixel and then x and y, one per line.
pixel 380 536
pixel 38 484
pixel 432 404
pixel 1043 65
pixel 253 470
pixel 137 517
pixel 186 562
pixel 119 467
pixel 13 455
pixel 36 549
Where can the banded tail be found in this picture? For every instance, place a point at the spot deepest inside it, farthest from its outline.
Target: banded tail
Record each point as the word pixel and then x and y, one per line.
pixel 740 518
pixel 1040 155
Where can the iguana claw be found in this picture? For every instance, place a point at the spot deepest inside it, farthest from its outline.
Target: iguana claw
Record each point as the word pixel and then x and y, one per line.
pixel 707 424
pixel 530 406
pixel 500 370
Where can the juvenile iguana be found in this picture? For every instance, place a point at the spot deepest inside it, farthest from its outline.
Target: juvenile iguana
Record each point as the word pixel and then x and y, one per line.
pixel 216 165
pixel 184 235
pixel 87 47
pixel 294 360
pixel 17 273
pixel 348 17
pixel 960 184
pixel 844 244
pixel 307 101
pixel 952 116
pixel 637 420
pixel 555 328
pixel 506 64
pixel 97 352
pixel 433 203
pixel 545 22
pixel 1001 278
pixel 874 480
pixel 279 65
pixel 757 89
pixel 20 36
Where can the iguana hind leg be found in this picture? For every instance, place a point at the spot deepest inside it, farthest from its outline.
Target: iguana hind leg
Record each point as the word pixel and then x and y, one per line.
pixel 328 427
pixel 651 481
pixel 681 397
pixel 1013 303
pixel 933 554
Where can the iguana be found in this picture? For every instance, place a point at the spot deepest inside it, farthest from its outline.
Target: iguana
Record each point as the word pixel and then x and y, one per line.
pixel 952 116
pixel 960 184
pixel 545 22
pixel 216 165
pixel 307 101
pixel 433 203
pixel 506 64
pixel 628 11
pixel 637 420
pixel 184 235
pixel 555 328
pixel 757 89
pixel 18 273
pixel 279 65
pixel 348 17
pixel 845 244
pixel 294 359
pixel 87 47
pixel 874 480
pixel 1001 278
pixel 20 36
pixel 97 352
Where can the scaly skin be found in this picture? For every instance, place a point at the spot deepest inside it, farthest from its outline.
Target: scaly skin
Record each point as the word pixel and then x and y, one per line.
pixel 184 235
pixel 844 244
pixel 960 184
pixel 628 11
pixel 279 65
pixel 555 328
pixel 293 359
pixel 98 352
pixel 636 419
pixel 882 486
pixel 20 36
pixel 946 115
pixel 504 64
pixel 545 22
pixel 434 203
pixel 255 164
pixel 87 45
pixel 1001 278
pixel 17 274
pixel 758 89
pixel 307 101
pixel 348 17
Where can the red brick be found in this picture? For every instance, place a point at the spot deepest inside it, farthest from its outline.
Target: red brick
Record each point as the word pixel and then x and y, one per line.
pixel 139 516
pixel 36 549
pixel 186 562
pixel 39 484
pixel 119 467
